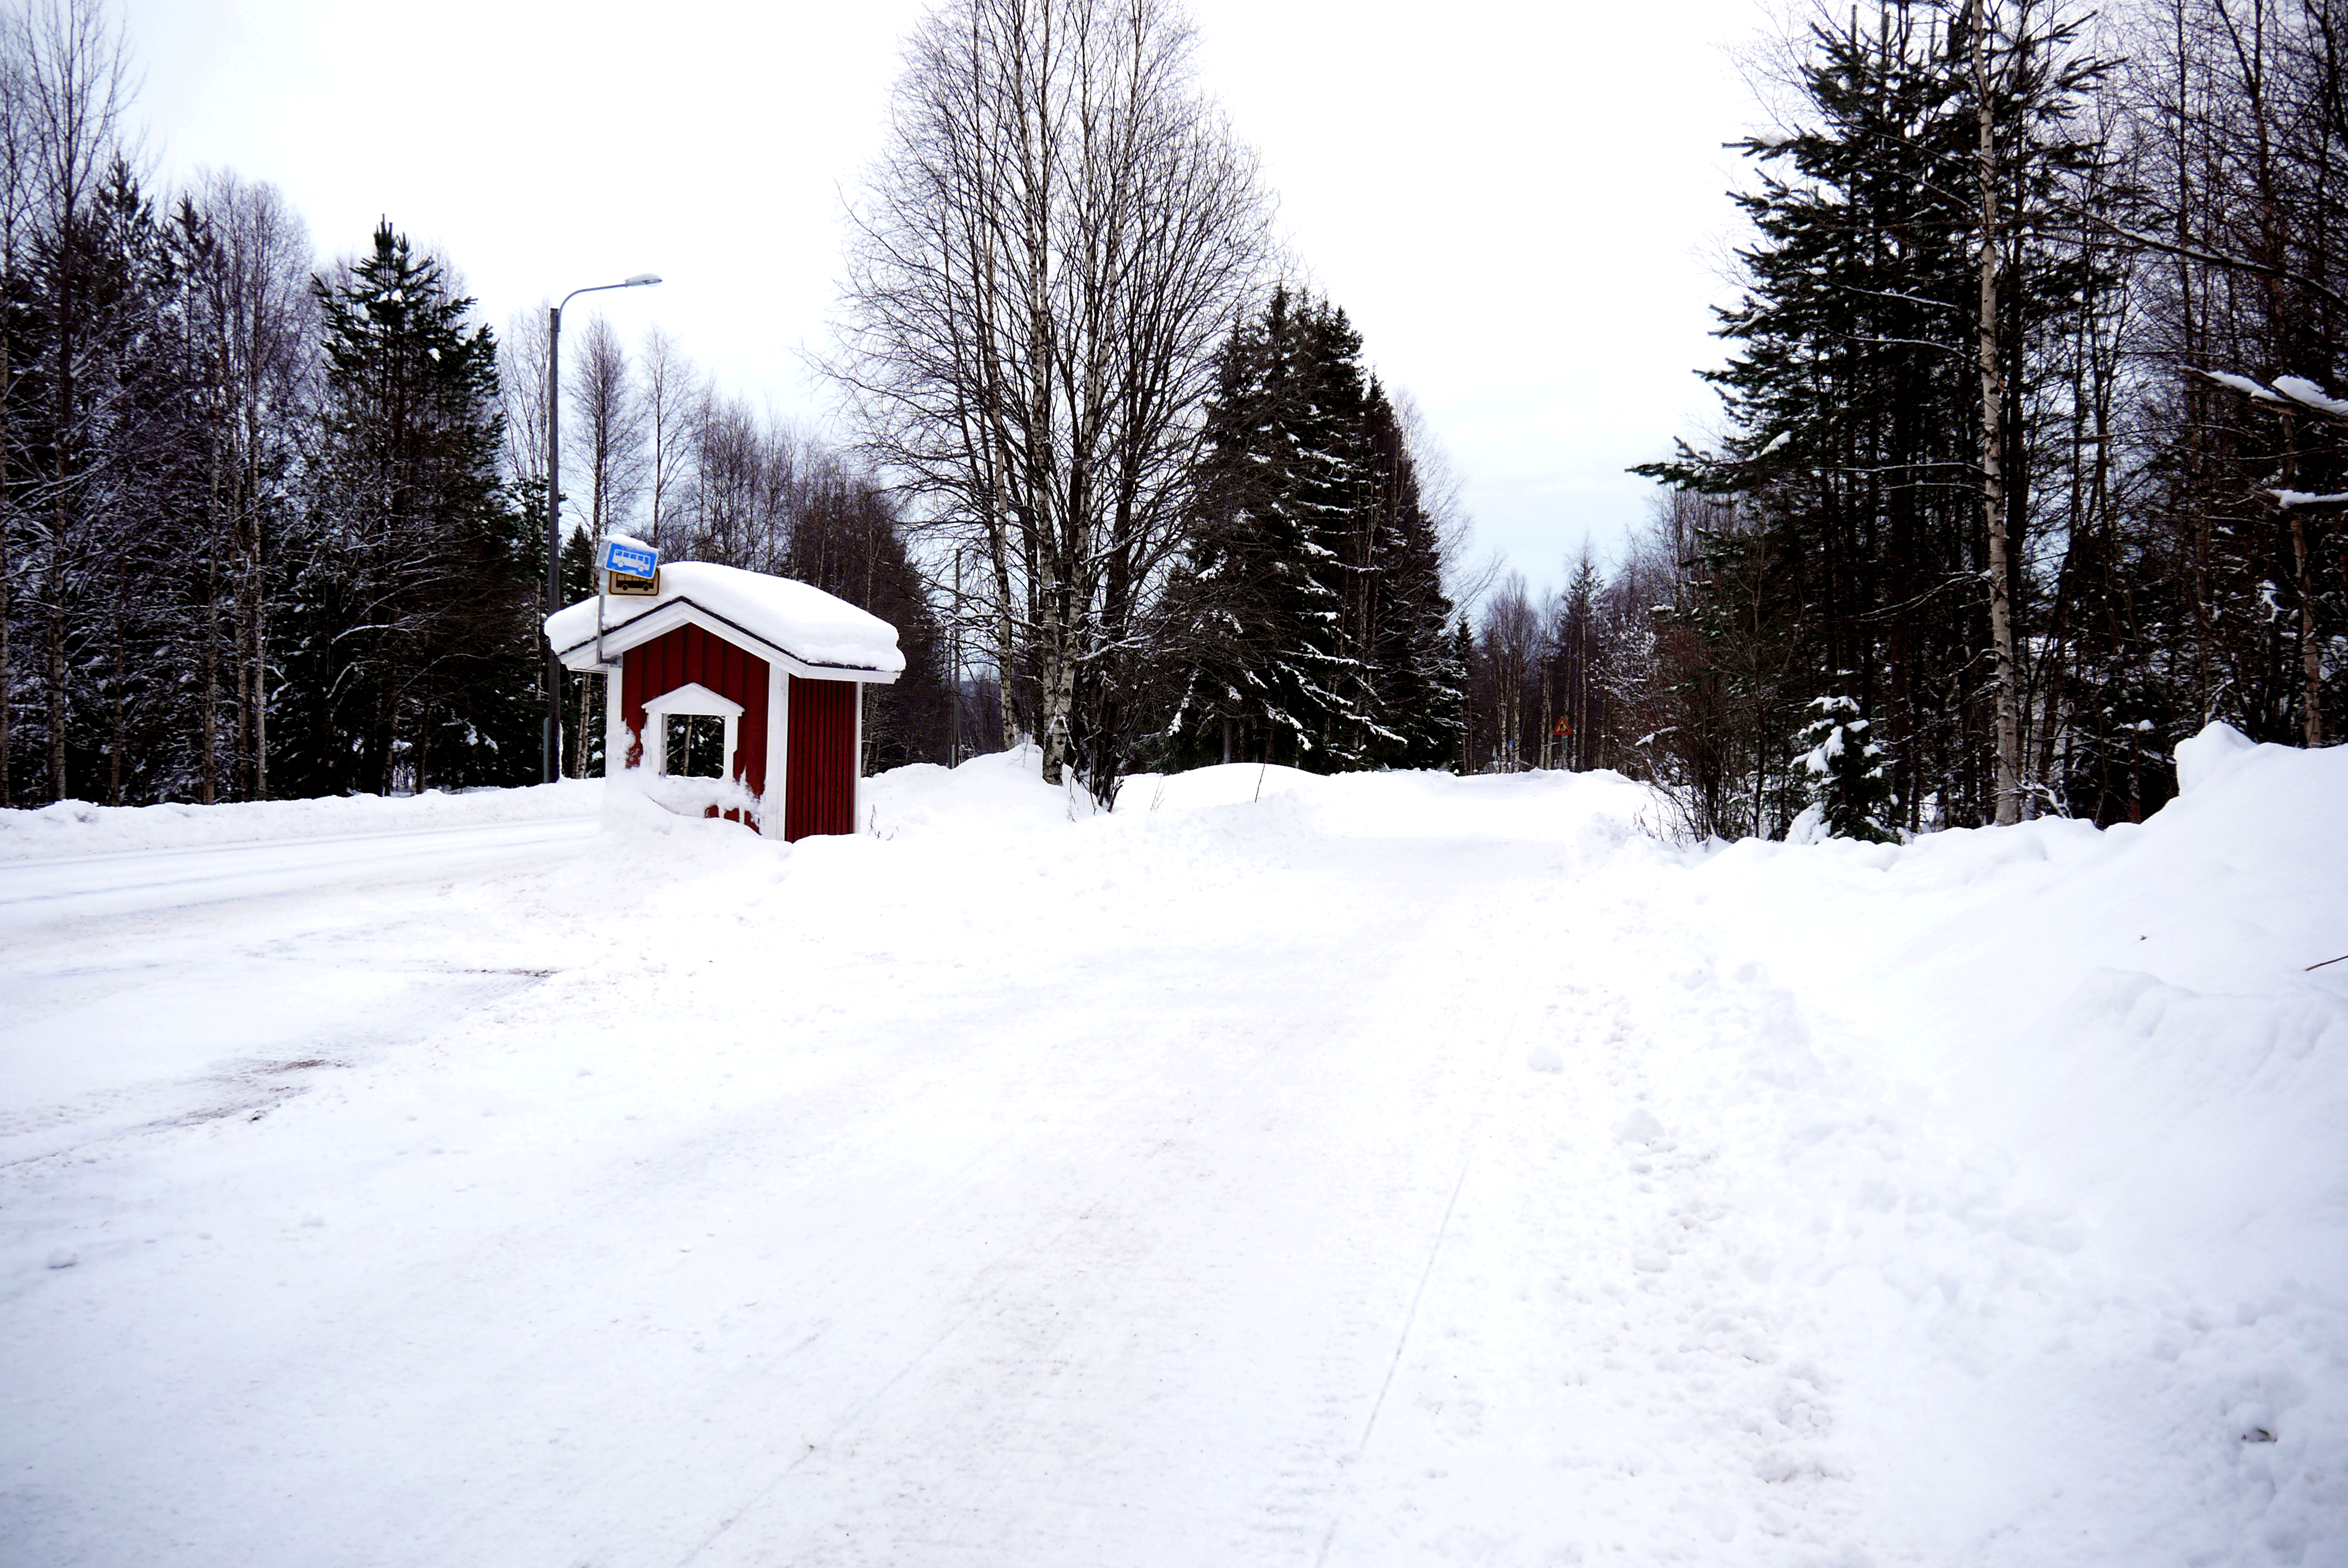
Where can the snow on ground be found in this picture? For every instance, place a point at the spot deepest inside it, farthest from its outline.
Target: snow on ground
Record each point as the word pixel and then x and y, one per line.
pixel 74 827
pixel 1382 1169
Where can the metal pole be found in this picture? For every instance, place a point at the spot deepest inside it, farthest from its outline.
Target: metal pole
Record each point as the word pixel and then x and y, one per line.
pixel 550 748
pixel 553 758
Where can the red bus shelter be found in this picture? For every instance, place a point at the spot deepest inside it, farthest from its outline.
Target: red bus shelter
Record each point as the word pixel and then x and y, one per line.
pixel 783 666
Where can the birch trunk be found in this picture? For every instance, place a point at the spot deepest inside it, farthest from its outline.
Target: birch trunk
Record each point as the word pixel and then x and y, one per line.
pixel 1993 455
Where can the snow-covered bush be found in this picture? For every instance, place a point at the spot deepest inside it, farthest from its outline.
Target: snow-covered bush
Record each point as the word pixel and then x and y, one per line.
pixel 1850 794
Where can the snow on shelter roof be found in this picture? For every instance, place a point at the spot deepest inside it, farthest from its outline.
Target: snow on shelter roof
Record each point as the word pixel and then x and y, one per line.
pixel 803 621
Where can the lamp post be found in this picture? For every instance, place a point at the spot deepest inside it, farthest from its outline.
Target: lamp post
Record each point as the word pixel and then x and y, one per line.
pixel 550 749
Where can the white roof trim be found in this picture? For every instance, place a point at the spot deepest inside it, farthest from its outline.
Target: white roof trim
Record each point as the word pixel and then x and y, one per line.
pixel 693 697
pixel 671 613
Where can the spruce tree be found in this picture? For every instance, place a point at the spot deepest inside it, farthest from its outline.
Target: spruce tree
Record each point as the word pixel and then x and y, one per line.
pixel 1414 686
pixel 1462 658
pixel 416 652
pixel 1856 548
pixel 1849 788
pixel 1307 615
pixel 1221 602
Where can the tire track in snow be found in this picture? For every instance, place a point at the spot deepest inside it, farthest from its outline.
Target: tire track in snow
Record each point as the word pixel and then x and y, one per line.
pixel 1409 1319
pixel 1602 1408
pixel 1133 1241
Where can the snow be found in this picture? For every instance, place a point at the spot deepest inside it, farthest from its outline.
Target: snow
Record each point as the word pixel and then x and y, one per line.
pixel 2242 384
pixel 1228 783
pixel 74 827
pixel 802 620
pixel 995 796
pixel 637 796
pixel 2203 759
pixel 1380 1169
pixel 2289 500
pixel 2300 389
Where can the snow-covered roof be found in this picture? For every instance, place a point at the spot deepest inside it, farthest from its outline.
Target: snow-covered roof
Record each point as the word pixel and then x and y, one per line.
pixel 806 624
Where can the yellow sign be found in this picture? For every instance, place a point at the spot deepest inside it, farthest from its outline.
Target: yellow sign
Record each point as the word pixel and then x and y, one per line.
pixel 622 586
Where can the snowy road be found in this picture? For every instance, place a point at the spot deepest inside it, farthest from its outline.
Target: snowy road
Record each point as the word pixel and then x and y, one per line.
pixel 144 882
pixel 166 983
pixel 1387 1173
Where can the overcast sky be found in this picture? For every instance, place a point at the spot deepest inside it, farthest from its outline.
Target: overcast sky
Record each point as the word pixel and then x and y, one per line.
pixel 1520 204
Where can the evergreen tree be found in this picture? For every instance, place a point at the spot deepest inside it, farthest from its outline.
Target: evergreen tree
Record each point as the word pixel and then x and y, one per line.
pixel 1412 687
pixel 1282 448
pixel 1461 660
pixel 417 650
pixel 1848 788
pixel 1308 617
pixel 1857 548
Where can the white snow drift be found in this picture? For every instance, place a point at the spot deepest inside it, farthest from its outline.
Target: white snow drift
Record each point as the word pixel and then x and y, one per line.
pixel 1381 1169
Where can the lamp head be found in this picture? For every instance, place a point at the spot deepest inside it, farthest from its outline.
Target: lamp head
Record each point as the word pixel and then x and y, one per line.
pixel 640 279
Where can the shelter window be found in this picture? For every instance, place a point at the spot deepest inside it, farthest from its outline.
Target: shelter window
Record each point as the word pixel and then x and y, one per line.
pixel 696 745
pixel 693 732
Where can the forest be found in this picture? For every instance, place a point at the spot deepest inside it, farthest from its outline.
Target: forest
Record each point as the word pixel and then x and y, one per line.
pixel 273 528
pixel 2029 461
pixel 2032 451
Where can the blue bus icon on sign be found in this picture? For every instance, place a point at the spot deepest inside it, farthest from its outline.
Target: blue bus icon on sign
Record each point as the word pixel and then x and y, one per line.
pixel 630 559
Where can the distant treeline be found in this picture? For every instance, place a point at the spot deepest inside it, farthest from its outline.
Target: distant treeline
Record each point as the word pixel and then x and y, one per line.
pixel 2033 459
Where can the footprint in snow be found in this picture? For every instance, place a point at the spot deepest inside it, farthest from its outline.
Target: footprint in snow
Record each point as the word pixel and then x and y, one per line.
pixel 1639 1127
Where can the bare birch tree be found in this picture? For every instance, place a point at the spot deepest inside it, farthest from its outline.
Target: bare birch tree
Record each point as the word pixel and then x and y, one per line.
pixel 1050 251
pixel 2006 699
pixel 607 424
pixel 671 394
pixel 260 321
pixel 74 88
pixel 521 392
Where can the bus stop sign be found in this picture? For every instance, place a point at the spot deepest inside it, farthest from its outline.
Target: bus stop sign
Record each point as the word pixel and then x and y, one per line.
pixel 629 559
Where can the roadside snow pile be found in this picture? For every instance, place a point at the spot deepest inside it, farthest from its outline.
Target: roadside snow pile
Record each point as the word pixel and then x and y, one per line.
pixel 77 827
pixel 2134 1009
pixel 986 796
pixel 2120 1037
pixel 1227 784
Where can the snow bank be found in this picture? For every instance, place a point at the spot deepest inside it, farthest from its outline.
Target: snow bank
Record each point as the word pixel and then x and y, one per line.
pixel 2131 1011
pixel 2202 759
pixel 2121 1036
pixel 1227 784
pixel 798 619
pixel 77 827
pixel 1000 793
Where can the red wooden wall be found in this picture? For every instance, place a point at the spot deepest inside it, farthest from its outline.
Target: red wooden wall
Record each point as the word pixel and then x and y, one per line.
pixel 689 654
pixel 820 758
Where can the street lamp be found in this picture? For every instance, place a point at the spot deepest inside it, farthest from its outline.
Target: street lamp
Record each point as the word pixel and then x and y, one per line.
pixel 550 750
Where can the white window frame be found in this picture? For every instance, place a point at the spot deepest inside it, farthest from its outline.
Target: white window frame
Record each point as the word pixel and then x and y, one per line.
pixel 698 700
